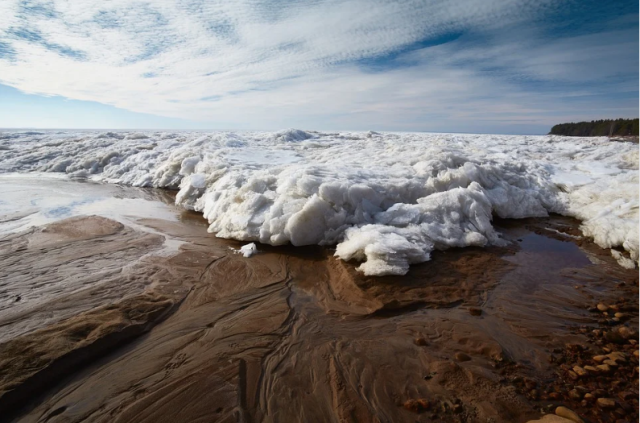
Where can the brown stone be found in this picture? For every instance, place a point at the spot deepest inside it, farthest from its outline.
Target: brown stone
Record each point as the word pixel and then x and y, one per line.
pixel 605 403
pixel 599 358
pixel 579 371
pixel 573 375
pixel 591 369
pixel 604 368
pixel 610 363
pixel 589 397
pixel 568 414
pixel 617 356
pixel 627 333
pixel 602 307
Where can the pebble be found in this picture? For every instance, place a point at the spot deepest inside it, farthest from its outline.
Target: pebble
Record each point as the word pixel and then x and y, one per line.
pixel 599 358
pixel 572 375
pixel 610 363
pixel 604 368
pixel 619 315
pixel 605 403
pixel 589 397
pixel 421 342
pixel 602 307
pixel 617 356
pixel 460 356
pixel 591 369
pixel 627 333
pixel 579 371
pixel 568 414
pixel 635 353
pixel 475 311
pixel 551 418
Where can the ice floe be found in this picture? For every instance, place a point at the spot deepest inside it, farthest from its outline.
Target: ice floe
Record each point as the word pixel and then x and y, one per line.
pixel 385 199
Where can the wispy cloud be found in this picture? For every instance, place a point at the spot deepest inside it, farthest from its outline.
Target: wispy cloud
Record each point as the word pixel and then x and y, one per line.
pixel 355 63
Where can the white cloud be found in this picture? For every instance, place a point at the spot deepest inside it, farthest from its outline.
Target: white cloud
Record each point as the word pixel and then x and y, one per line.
pixel 265 64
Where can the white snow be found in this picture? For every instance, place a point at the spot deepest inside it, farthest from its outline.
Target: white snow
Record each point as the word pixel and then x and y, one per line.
pixel 248 250
pixel 623 261
pixel 386 199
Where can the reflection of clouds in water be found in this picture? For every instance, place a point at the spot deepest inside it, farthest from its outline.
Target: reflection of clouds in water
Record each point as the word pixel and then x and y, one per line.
pixel 58 212
pixel 68 210
pixel 52 199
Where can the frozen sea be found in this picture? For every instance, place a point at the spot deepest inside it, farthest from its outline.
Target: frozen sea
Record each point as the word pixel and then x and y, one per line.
pixel 385 199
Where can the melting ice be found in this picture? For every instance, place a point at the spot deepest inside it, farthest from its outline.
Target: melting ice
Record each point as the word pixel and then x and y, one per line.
pixel 385 199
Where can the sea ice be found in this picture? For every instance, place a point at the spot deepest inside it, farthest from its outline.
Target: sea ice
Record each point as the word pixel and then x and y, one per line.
pixel 385 199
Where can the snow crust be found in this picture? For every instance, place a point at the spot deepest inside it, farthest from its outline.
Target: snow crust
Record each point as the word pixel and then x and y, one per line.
pixel 385 199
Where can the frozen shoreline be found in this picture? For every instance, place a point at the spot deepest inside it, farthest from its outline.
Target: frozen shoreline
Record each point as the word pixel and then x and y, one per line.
pixel 387 199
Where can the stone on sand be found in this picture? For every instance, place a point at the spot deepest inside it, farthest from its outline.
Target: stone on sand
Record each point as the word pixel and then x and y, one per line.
pixel 605 403
pixel 568 414
pixel 551 418
pixel 579 371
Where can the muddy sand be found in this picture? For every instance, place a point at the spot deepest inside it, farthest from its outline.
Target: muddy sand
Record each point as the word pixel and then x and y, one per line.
pixel 101 322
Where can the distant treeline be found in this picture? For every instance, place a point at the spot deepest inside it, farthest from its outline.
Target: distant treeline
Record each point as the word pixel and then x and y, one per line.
pixel 598 128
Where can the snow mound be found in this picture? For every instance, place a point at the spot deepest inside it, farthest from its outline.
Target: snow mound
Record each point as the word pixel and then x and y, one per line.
pixel 292 135
pixel 387 200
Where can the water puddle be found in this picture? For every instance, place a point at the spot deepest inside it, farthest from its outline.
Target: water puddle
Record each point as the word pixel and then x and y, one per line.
pixel 26 201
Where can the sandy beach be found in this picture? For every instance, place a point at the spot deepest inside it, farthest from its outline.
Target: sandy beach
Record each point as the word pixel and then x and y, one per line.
pixel 148 319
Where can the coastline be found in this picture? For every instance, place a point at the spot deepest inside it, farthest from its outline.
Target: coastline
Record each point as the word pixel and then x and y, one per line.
pixel 295 334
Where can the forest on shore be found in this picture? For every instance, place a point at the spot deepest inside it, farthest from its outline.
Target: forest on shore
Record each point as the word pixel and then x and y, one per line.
pixel 598 128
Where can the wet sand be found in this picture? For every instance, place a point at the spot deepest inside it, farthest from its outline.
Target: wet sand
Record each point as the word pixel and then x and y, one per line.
pixel 108 332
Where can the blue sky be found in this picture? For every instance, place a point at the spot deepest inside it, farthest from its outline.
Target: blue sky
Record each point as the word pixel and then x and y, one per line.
pixel 500 66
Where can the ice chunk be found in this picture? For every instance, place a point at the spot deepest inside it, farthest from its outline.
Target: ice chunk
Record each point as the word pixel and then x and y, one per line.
pixel 248 250
pixel 386 199
pixel 623 261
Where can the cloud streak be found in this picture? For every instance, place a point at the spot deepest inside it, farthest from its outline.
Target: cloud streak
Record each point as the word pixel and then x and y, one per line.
pixel 334 64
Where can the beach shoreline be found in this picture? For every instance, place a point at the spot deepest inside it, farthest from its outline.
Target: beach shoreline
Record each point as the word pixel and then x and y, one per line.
pixel 293 333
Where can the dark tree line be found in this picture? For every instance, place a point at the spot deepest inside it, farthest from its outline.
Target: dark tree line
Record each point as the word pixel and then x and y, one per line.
pixel 598 128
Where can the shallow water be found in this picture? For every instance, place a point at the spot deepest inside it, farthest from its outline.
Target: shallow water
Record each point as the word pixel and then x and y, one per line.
pixel 35 200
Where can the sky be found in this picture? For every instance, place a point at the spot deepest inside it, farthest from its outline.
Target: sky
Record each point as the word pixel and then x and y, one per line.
pixel 479 66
